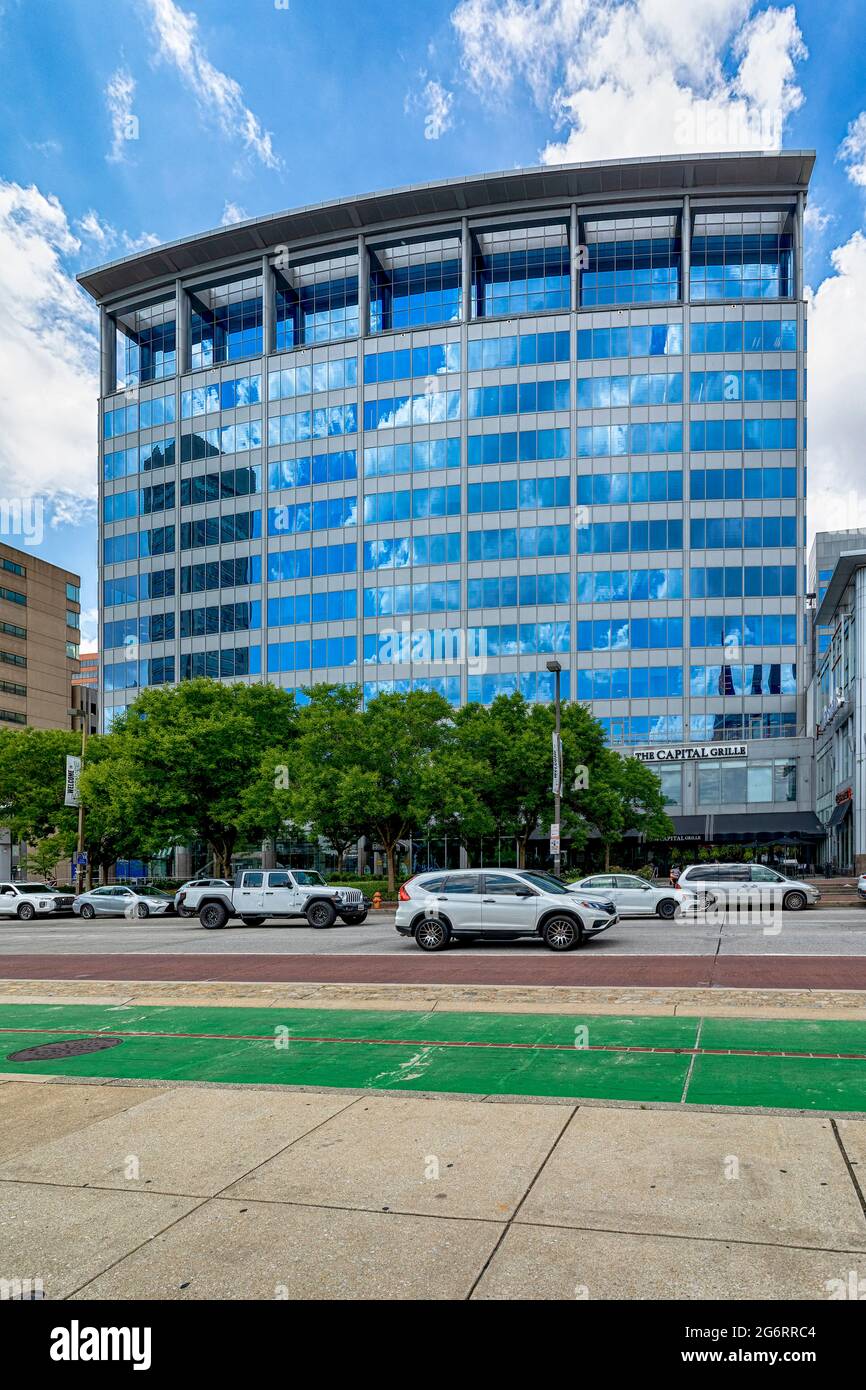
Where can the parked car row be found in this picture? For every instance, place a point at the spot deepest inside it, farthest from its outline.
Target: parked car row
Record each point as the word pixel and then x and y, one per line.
pixel 438 907
pixel 254 897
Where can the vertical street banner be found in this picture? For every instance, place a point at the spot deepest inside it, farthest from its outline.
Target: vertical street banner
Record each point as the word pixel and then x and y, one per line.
pixel 557 765
pixel 73 773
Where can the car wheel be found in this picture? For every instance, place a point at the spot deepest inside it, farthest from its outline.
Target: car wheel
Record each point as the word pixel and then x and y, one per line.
pixel 27 912
pixel 432 934
pixel 252 921
pixel 562 934
pixel 667 909
pixel 794 902
pixel 212 916
pixel 356 920
pixel 142 910
pixel 321 914
pixel 87 911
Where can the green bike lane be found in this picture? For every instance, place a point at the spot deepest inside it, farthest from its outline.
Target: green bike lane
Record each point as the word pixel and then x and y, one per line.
pixel 791 1064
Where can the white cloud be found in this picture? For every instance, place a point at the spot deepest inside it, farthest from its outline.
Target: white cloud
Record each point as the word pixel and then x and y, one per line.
pixel 48 148
pixel 141 242
pixel 217 94
pixel 233 212
pixel 817 220
pixel 119 95
pixel 638 77
pixel 837 401
pixel 92 228
pixel 48 360
pixel 89 630
pixel 853 150
pixel 435 104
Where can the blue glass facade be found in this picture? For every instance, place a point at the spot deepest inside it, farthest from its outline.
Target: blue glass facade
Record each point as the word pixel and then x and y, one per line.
pixel 610 433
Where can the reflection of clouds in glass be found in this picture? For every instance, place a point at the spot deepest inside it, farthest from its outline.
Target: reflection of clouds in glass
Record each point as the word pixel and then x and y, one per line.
pixel 619 637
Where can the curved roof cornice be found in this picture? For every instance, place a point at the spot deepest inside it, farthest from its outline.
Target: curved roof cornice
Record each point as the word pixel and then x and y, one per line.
pixel 653 178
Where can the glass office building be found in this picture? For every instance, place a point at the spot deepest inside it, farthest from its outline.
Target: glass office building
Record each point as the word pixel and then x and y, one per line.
pixel 437 437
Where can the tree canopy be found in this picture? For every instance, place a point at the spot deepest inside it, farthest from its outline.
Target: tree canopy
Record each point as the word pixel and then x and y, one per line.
pixel 230 764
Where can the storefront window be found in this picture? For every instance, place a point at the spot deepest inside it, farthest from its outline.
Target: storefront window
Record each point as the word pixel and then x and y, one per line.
pixel 761 782
pixel 671 779
pixel 784 780
pixel 733 783
pixel 709 784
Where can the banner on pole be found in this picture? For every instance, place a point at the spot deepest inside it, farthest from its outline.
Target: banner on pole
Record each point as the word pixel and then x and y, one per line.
pixel 73 774
pixel 557 765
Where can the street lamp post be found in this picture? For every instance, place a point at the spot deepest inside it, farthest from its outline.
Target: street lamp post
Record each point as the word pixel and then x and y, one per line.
pixel 556 668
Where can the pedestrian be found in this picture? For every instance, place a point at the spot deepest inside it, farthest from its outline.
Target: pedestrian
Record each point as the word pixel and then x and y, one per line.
pixel 674 875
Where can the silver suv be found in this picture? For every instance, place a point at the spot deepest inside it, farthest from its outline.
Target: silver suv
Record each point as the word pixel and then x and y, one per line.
pixel 498 905
pixel 749 883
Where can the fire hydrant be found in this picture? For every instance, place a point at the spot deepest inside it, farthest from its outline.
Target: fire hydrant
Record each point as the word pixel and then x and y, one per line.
pixel 377 899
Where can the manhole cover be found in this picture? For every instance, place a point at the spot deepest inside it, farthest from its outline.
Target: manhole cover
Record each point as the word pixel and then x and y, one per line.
pixel 56 1051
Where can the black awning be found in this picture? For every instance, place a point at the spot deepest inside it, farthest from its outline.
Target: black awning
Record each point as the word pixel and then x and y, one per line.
pixel 768 827
pixel 689 828
pixel 839 814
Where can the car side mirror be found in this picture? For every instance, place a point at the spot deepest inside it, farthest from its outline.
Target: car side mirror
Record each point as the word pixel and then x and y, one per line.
pixel 525 893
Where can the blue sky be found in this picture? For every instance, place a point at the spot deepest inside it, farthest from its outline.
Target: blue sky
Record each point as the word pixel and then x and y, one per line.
pixel 240 109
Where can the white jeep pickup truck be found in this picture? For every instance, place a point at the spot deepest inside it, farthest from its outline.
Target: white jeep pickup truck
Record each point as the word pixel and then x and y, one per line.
pixel 258 895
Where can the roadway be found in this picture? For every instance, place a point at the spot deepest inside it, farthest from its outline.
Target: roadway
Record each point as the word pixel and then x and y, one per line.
pixel 819 949
pixel 819 932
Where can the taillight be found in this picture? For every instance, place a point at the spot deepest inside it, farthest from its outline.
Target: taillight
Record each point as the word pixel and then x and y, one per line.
pixel 403 895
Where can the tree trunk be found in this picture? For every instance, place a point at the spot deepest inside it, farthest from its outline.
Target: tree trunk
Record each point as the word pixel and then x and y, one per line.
pixel 392 871
pixel 606 856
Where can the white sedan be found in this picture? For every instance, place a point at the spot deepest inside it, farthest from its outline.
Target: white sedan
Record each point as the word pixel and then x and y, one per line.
pixel 633 896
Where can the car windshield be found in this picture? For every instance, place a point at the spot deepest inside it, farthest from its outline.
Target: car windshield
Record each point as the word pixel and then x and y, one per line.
pixel 151 893
pixel 551 878
pixel 308 878
pixel 546 882
pixel 34 888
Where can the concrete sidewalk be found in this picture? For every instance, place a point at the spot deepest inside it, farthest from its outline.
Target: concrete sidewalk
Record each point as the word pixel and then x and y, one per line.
pixel 127 1191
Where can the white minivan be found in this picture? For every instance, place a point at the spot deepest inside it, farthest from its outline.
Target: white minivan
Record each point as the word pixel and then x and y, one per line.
pixel 749 882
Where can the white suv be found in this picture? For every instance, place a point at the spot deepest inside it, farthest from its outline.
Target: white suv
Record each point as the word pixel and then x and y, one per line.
pixel 498 905
pixel 27 900
pixel 754 883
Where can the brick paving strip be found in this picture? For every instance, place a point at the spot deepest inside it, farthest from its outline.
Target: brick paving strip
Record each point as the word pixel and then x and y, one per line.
pixel 757 1003
pixel 715 972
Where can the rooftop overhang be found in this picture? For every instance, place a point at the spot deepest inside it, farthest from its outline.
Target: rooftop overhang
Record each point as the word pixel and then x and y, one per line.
pixel 846 567
pixel 752 174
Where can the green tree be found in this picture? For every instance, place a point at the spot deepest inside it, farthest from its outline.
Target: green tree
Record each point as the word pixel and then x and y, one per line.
pixel 624 794
pixel 112 807
pixel 512 743
pixel 321 793
pixel 44 856
pixel 33 782
pixel 394 787
pixel 185 756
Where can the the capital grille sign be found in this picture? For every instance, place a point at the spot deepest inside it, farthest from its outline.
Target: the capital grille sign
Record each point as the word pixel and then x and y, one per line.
pixel 686 753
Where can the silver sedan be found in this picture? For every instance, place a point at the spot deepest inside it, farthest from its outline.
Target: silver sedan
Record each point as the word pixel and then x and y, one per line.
pixel 633 896
pixel 117 900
